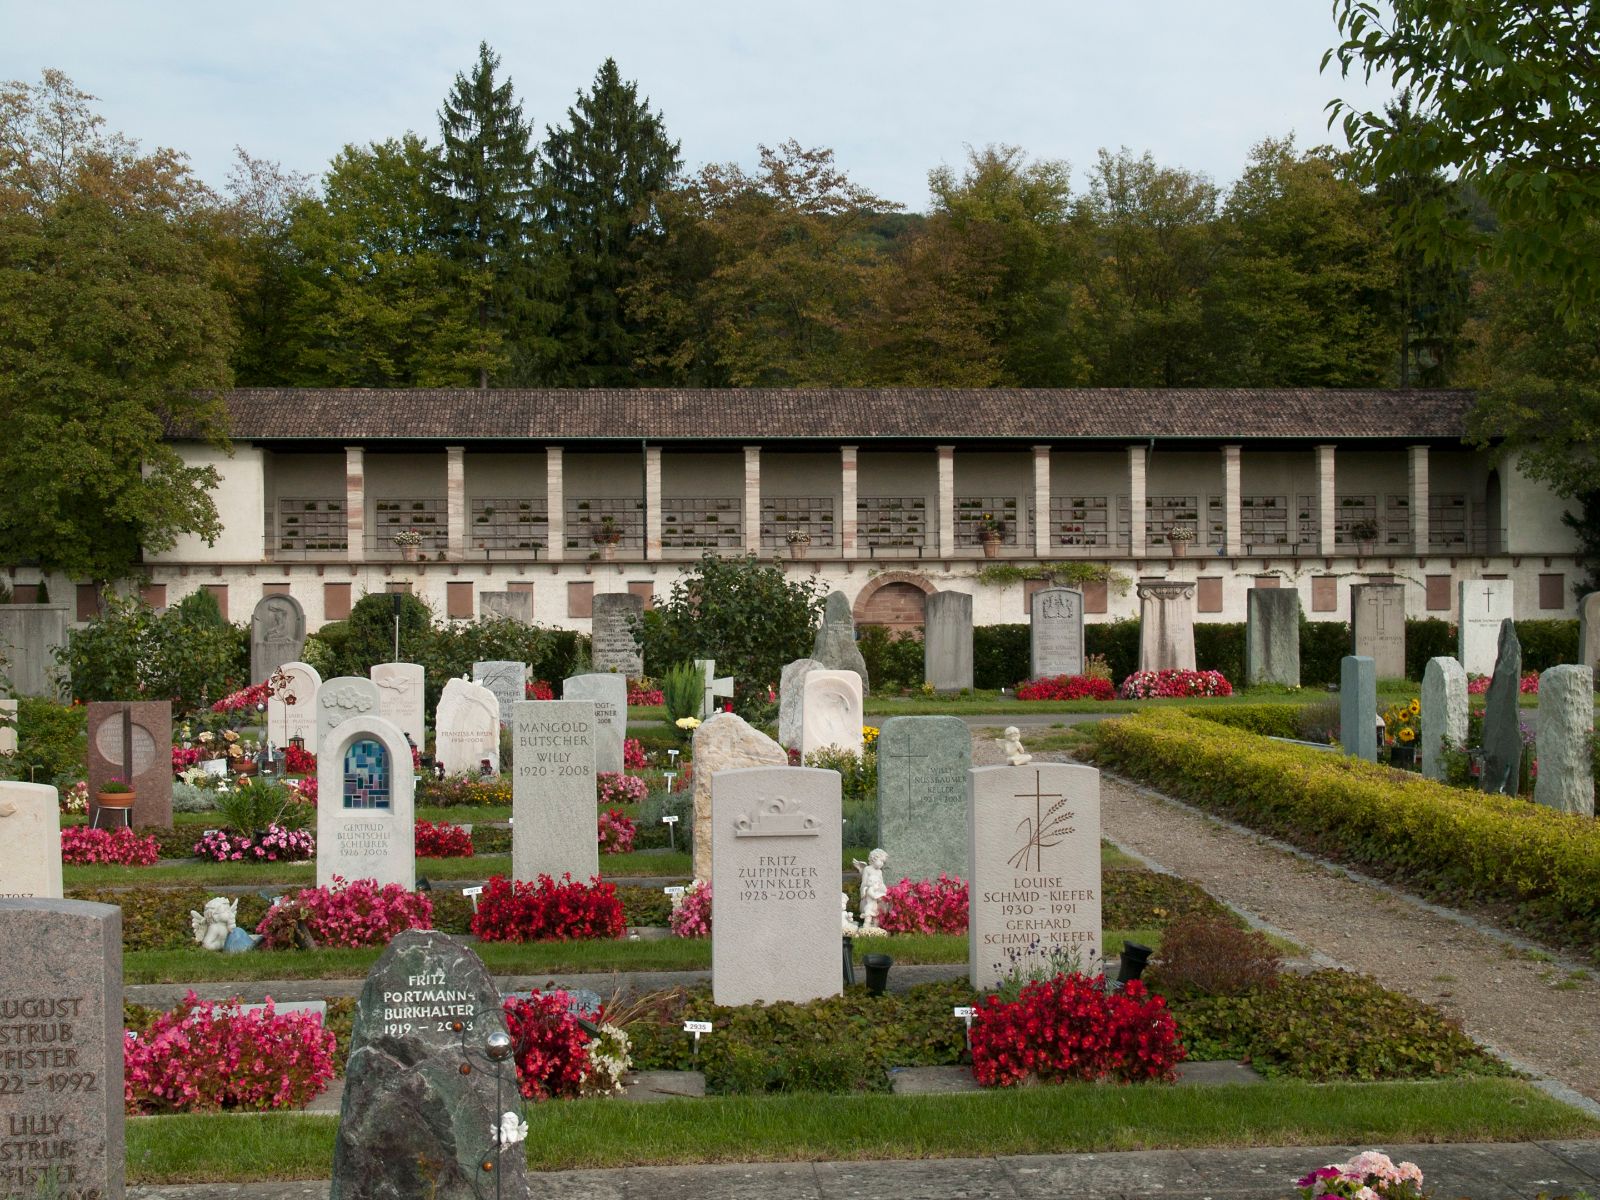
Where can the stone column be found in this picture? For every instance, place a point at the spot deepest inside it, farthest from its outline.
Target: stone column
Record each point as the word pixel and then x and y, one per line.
pixel 1327 509
pixel 846 523
pixel 1138 458
pixel 555 493
pixel 752 499
pixel 355 502
pixel 1041 501
pixel 1417 462
pixel 1232 502
pixel 652 502
pixel 455 501
pixel 946 501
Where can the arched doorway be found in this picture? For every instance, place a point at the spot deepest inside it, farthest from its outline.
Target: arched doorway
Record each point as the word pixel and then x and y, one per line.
pixel 896 601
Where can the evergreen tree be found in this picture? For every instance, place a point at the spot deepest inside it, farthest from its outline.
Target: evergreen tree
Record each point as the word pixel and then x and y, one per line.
pixel 484 185
pixel 603 174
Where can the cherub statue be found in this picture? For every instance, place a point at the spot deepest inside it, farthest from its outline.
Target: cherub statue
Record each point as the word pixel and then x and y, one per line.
pixel 1012 745
pixel 847 923
pixel 211 928
pixel 873 888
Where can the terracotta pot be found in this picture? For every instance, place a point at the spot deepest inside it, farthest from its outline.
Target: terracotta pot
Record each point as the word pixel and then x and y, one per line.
pixel 991 545
pixel 797 549
pixel 608 551
pixel 245 766
pixel 118 800
pixel 1179 549
pixel 410 553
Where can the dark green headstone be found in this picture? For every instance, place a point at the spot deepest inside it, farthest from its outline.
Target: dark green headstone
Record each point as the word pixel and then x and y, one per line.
pixel 1502 726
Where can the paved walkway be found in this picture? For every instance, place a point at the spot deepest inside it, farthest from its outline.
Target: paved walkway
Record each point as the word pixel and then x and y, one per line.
pixel 1517 1171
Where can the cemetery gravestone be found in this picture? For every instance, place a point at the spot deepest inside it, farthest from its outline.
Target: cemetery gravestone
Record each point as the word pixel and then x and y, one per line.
pixel 791 699
pixel 1589 632
pixel 292 705
pixel 922 795
pixel 947 641
pixel 713 688
pixel 277 635
pixel 1378 626
pixel 30 635
pixel 775 885
pixel 61 1109
pixel 30 831
pixel 343 698
pixel 1444 713
pixel 724 743
pixel 510 606
pixel 613 637
pixel 1502 726
pixel 424 1092
pixel 1033 836
pixel 366 804
pixel 506 679
pixel 8 729
pixel 1358 707
pixel 133 742
pixel 835 646
pixel 1272 637
pixel 402 694
pixel 1166 625
pixel 610 696
pixel 1482 606
pixel 466 728
pixel 1566 740
pixel 832 713
pixel 553 790
pixel 1055 635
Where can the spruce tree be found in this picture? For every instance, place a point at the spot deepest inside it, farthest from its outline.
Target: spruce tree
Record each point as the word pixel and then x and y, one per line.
pixel 601 176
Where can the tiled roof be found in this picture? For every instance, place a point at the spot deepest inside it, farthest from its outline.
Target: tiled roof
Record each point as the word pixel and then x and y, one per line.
pixel 663 414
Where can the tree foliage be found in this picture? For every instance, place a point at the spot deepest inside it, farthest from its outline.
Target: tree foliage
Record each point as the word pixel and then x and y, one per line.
pixel 130 652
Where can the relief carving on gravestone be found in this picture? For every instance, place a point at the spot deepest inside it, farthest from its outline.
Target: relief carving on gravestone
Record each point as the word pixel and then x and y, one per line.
pixel 277 635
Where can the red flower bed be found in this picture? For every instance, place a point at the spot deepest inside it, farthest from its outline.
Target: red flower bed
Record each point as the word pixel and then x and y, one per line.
pixel 442 840
pixel 1068 1028
pixel 548 911
pixel 244 700
pixel 633 755
pixel 81 845
pixel 551 1048
pixel 538 689
pixel 926 906
pixel 644 692
pixel 297 760
pixel 350 913
pixel 1067 687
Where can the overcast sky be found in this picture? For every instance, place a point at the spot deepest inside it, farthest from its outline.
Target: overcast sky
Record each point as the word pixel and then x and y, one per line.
pixel 894 88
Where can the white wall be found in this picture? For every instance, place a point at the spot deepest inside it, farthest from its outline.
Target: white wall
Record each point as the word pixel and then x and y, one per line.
pixel 240 497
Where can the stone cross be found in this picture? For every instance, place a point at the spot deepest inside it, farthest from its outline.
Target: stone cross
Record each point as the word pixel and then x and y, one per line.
pixel 714 688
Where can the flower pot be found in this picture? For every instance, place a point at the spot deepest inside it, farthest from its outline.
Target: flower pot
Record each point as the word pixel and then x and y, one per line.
pixel 118 800
pixel 1179 549
pixel 797 549
pixel 1402 756
pixel 608 551
pixel 877 972
pixel 410 553
pixel 991 545
pixel 244 766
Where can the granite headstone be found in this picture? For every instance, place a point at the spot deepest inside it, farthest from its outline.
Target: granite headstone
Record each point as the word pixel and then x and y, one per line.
pixel 922 795
pixel 1378 626
pixel 1482 605
pixel 133 742
pixel 724 743
pixel 292 705
pixel 30 831
pixel 835 646
pixel 831 716
pixel 614 636
pixel 508 681
pixel 1566 740
pixel 1589 632
pixel 402 697
pixel 424 1093
pixel 775 885
pixel 466 728
pixel 1033 837
pixel 1055 634
pixel 343 698
pixel 1444 714
pixel 1166 625
pixel 947 641
pixel 366 804
pixel 1502 724
pixel 30 635
pixel 1358 707
pixel 791 699
pixel 61 1109
pixel 277 635
pixel 553 828
pixel 1272 637
pixel 610 695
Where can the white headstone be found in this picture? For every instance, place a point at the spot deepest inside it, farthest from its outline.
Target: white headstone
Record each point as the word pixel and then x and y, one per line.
pixel 553 830
pixel 366 811
pixel 775 885
pixel 466 728
pixel 292 708
pixel 1444 714
pixel 506 679
pixel 1034 891
pixel 832 712
pixel 1481 606
pixel 1166 625
pixel 8 729
pixel 1056 633
pixel 30 831
pixel 342 699
pixel 791 699
pixel 726 742
pixel 402 696
pixel 610 695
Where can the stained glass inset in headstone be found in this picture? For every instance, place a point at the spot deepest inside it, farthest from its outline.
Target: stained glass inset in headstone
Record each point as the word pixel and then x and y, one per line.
pixel 366 775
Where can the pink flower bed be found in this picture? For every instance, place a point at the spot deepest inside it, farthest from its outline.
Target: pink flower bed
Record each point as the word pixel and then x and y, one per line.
pixel 691 912
pixel 926 906
pixel 616 832
pixel 203 1056
pixel 613 787
pixel 350 913
pixel 277 844
pixel 1528 685
pixel 81 846
pixel 1147 685
pixel 633 755
pixel 1067 687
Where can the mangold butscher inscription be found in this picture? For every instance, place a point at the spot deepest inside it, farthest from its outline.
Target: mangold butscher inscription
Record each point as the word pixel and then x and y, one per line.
pixel 39 1063
pixel 549 746
pixel 427 1001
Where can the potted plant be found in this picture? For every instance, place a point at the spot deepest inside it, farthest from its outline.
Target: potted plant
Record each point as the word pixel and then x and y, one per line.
pixel 1365 532
pixel 410 543
pixel 606 535
pixel 798 540
pixel 1178 538
pixel 991 530
pixel 115 793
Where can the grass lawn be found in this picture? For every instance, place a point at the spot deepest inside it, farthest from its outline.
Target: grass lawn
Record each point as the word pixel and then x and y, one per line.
pixel 800 1128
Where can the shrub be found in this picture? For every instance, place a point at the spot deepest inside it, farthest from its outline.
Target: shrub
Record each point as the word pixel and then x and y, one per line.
pixel 131 650
pixel 691 912
pixel 999 655
pixel 556 1057
pixel 616 832
pixel 157 918
pixel 1269 720
pixel 547 911
pixel 1426 638
pixel 1547 644
pixel 1205 954
pixel 350 913
pixel 926 906
pixel 1067 687
pixel 276 844
pixel 1068 1028
pixel 256 805
pixel 204 1056
pixel 683 690
pixel 613 787
pixel 51 747
pixel 1144 685
pixel 81 845
pixel 1117 642
pixel 1219 646
pixel 858 775
pixel 894 659
pixel 442 840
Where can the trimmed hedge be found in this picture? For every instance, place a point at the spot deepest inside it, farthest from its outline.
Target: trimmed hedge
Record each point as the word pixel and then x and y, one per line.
pixel 1269 720
pixel 1416 832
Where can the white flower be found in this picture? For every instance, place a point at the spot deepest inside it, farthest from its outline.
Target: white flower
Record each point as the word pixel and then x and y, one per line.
pixel 512 1129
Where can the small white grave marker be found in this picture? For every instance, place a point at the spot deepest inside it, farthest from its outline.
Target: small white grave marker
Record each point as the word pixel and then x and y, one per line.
pixel 473 893
pixel 697 1028
pixel 670 776
pixel 675 891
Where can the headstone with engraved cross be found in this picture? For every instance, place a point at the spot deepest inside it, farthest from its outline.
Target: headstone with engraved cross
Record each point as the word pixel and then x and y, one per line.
pixel 1033 836
pixel 1482 604
pixel 922 792
pixel 1378 626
